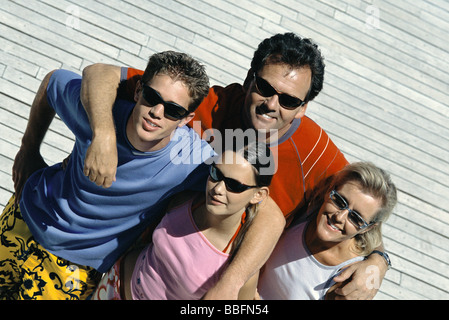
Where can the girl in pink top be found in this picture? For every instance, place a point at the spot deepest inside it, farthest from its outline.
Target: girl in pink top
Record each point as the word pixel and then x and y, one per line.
pixel 198 237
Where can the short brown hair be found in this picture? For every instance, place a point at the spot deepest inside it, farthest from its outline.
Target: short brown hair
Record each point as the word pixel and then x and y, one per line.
pixel 180 66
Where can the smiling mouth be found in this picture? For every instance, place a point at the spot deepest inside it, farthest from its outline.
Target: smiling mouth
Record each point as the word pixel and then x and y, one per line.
pixel 331 225
pixel 262 111
pixel 266 116
pixel 151 124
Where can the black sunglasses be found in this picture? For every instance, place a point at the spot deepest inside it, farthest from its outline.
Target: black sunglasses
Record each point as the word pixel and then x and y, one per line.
pixel 232 185
pixel 355 217
pixel 285 100
pixel 172 111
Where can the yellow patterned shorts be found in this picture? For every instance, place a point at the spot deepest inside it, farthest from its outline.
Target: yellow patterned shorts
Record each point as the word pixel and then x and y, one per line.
pixel 29 272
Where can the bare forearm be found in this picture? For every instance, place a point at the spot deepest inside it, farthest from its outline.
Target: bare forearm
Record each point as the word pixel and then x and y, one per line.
pixel 361 280
pixel 98 94
pixel 379 260
pixel 257 246
pixel 41 116
pixel 28 159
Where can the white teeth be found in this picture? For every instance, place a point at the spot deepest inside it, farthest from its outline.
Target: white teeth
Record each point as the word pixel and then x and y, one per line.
pixel 333 227
pixel 267 116
pixel 151 124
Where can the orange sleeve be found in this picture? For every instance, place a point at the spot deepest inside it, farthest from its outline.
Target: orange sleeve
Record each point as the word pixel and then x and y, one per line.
pixel 320 157
pixel 305 159
pixel 128 85
pixel 204 114
pixel 133 72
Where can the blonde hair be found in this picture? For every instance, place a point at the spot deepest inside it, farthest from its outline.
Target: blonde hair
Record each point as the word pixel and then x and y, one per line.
pixel 373 181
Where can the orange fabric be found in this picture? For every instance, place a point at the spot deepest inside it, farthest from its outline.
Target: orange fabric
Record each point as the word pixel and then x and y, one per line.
pixel 242 222
pixel 134 72
pixel 304 159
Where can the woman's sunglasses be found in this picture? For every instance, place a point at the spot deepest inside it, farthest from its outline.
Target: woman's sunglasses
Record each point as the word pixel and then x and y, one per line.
pixel 232 185
pixel 172 111
pixel 285 100
pixel 355 217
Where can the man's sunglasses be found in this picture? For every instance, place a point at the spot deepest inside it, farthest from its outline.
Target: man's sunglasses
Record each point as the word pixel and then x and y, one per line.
pixel 232 185
pixel 355 217
pixel 172 111
pixel 285 100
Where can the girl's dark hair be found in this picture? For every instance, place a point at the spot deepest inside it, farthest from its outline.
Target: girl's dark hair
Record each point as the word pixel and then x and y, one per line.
pixel 295 52
pixel 259 155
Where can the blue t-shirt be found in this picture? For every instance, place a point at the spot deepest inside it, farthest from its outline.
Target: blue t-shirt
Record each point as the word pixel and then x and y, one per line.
pixel 89 225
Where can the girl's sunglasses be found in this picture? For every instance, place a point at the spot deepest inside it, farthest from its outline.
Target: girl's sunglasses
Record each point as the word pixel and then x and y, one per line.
pixel 172 111
pixel 285 100
pixel 232 185
pixel 355 217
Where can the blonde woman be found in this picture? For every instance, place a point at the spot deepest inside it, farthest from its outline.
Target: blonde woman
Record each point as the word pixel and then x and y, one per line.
pixel 343 226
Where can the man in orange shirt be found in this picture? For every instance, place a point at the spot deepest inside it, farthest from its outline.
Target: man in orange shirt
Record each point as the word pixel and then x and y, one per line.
pixel 286 73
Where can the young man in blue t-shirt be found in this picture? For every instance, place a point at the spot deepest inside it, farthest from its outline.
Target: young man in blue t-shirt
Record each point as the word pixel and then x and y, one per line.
pixel 68 230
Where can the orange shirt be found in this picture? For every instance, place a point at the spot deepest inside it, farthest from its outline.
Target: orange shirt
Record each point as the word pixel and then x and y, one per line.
pixel 305 154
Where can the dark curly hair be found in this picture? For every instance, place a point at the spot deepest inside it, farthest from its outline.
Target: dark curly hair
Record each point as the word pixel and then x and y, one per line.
pixel 294 51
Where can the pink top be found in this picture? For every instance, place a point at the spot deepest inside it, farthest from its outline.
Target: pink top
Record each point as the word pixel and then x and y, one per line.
pixel 180 264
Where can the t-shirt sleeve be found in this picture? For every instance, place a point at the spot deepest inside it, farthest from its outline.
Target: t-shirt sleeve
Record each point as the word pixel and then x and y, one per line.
pixel 63 95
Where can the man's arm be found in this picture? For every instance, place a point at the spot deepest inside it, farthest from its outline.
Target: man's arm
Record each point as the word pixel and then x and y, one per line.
pixel 28 158
pixel 258 243
pixel 249 289
pixel 98 94
pixel 361 281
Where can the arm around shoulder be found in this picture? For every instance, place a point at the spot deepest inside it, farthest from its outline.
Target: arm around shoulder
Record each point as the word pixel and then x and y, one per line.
pixel 362 280
pixel 98 94
pixel 248 291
